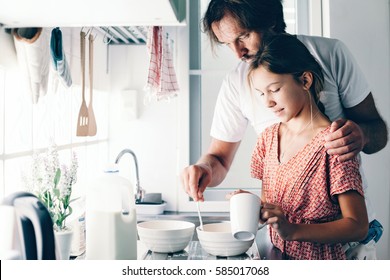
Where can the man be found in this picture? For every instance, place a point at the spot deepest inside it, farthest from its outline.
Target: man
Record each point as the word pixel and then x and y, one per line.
pixel 241 24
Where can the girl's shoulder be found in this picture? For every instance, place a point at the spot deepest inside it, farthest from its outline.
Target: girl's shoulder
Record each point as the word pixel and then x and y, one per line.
pixel 321 133
pixel 271 130
pixel 268 136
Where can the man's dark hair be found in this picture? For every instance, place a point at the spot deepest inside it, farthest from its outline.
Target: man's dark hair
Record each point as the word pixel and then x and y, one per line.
pixel 253 15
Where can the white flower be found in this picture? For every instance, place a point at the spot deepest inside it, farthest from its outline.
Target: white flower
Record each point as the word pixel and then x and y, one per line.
pixel 52 183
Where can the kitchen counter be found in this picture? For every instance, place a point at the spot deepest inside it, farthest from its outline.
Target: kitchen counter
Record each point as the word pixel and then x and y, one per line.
pixel 194 251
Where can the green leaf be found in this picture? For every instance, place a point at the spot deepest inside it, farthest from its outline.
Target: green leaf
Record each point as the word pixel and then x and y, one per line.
pixel 69 212
pixel 57 177
pixel 57 193
pixel 75 199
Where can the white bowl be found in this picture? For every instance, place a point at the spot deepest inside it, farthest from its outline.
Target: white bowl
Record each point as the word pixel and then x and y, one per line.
pixel 165 236
pixel 217 239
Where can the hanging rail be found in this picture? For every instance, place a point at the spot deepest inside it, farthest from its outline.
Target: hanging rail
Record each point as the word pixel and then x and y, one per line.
pixel 124 35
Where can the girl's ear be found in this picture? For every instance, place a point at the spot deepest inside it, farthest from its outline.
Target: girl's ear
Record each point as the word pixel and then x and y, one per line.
pixel 307 80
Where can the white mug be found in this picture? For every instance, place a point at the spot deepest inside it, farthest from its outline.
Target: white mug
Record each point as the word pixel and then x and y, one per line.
pixel 244 215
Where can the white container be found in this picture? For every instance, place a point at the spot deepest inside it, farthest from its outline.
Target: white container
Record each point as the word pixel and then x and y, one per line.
pixel 78 239
pixel 76 221
pixel 111 220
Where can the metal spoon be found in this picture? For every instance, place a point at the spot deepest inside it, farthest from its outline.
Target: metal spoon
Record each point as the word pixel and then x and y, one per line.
pixel 200 217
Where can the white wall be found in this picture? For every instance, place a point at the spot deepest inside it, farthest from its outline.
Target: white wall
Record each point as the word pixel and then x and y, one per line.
pixel 364 27
pixel 156 133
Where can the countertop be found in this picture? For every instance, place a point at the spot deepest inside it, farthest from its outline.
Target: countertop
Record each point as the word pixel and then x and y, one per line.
pixel 194 251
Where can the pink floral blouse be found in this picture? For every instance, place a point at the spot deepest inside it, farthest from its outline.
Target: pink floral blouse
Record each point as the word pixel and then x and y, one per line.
pixel 306 188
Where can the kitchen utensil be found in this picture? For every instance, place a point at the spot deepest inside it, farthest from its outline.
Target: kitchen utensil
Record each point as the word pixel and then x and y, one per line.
pixel 165 236
pixel 217 239
pixel 26 228
pixel 82 120
pixel 244 215
pixel 200 217
pixel 91 116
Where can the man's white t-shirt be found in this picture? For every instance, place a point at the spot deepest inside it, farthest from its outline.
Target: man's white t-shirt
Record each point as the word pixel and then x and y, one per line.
pixel 344 87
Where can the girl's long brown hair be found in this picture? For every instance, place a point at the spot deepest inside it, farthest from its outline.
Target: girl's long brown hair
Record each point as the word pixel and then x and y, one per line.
pixel 285 54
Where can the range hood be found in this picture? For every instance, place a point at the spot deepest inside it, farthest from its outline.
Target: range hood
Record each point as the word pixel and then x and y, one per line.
pixel 78 13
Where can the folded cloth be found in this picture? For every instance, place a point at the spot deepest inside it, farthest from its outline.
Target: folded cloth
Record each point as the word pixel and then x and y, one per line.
pixel 360 251
pixel 162 82
pixel 58 57
pixel 365 249
pixel 32 48
pixel 375 231
pixel 8 53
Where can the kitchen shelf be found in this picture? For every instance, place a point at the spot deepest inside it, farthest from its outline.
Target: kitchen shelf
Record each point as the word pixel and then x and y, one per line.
pixel 124 35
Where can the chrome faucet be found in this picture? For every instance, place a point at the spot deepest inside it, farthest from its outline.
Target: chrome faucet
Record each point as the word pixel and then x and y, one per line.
pixel 139 195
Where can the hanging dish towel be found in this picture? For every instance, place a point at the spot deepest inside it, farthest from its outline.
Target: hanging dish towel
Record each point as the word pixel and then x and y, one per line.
pixel 162 83
pixel 8 53
pixel 32 49
pixel 58 57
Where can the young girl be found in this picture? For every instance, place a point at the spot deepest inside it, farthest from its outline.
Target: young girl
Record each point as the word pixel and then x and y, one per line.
pixel 312 202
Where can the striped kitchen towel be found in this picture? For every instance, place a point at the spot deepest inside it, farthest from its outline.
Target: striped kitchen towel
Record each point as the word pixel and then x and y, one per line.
pixel 162 83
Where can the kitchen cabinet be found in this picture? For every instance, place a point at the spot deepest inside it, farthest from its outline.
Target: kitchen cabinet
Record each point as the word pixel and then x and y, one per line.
pixel 74 13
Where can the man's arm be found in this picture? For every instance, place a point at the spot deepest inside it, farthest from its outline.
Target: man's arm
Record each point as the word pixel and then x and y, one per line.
pixel 210 170
pixel 364 131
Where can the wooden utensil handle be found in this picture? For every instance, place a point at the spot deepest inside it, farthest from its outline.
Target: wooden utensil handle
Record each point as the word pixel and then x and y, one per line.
pixel 91 39
pixel 82 60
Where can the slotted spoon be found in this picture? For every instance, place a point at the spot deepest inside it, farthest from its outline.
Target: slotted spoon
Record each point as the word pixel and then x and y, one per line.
pixel 82 120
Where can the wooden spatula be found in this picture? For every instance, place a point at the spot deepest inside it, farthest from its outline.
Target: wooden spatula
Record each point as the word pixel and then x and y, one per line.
pixel 82 121
pixel 91 116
